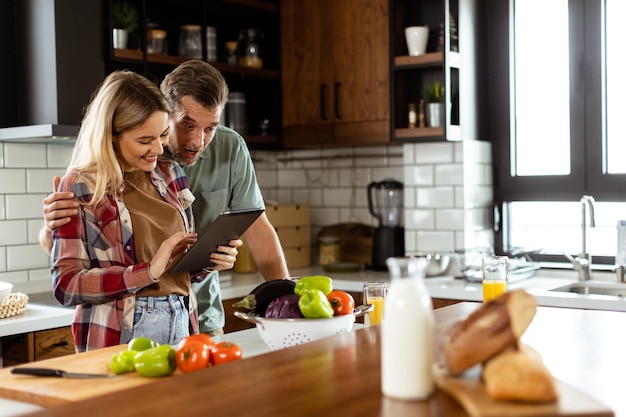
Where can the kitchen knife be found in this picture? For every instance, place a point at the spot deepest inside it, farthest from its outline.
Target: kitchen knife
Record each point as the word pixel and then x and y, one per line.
pixel 57 373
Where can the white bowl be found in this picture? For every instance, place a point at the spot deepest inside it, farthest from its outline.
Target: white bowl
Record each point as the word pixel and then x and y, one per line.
pixel 283 333
pixel 5 290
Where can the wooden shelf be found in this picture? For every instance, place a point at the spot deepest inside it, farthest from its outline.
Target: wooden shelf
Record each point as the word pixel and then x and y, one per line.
pixel 427 60
pixel 257 4
pixel 419 60
pixel 137 55
pixel 420 132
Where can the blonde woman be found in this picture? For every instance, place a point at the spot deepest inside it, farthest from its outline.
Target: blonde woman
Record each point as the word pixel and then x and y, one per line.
pixel 112 259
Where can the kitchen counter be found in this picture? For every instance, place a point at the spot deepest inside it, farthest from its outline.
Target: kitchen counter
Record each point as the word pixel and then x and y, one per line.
pixel 43 312
pixel 340 375
pixel 36 317
pixel 451 288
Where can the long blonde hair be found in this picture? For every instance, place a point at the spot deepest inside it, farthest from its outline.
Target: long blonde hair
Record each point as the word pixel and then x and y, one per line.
pixel 122 102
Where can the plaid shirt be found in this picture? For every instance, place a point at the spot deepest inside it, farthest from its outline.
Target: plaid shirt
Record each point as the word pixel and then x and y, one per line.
pixel 93 259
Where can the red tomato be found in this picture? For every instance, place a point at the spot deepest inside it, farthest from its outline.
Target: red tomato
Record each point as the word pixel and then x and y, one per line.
pixel 192 354
pixel 342 302
pixel 203 337
pixel 224 352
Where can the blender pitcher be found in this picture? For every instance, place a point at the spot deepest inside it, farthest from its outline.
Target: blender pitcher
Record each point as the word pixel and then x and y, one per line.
pixel 386 204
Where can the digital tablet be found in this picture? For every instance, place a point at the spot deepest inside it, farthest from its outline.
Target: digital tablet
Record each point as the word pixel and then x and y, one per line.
pixel 229 225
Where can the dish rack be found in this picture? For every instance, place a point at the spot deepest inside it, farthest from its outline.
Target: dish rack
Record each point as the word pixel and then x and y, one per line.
pixel 469 262
pixel 14 304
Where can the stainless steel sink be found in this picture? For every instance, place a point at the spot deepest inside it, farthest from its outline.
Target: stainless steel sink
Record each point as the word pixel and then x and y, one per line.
pixel 614 289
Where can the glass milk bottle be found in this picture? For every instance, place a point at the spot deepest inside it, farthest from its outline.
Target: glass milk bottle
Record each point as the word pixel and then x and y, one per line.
pixel 407 332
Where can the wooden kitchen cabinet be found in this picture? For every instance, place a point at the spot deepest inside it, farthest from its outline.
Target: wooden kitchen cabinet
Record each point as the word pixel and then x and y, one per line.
pixel 335 72
pixel 261 86
pixel 37 346
pixel 453 58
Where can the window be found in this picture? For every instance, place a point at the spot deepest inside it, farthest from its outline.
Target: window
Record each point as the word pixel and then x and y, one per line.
pixel 560 87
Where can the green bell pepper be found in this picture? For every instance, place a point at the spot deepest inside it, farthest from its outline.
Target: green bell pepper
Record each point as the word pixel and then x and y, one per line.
pixel 141 343
pixel 156 361
pixel 123 362
pixel 313 304
pixel 314 282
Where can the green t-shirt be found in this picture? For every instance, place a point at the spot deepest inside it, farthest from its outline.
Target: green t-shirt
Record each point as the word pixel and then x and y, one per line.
pixel 222 179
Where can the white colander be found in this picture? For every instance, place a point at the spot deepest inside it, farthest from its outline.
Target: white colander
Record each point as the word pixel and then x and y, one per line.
pixel 283 333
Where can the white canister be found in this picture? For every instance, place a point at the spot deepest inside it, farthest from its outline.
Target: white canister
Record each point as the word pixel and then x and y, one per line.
pixel 416 39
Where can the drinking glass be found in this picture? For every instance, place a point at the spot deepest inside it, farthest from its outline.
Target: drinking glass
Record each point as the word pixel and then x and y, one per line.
pixel 495 270
pixel 374 293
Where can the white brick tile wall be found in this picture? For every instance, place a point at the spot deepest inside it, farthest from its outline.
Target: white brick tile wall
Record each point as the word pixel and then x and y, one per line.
pixel 419 175
pixel 435 197
pixel 357 215
pixel 13 232
pixel 435 153
pixel 24 206
pixel 26 257
pixel 59 156
pixel 434 241
pixel 16 277
pixel 419 219
pixel 13 181
pixel 40 180
pixel 449 174
pixel 40 275
pixel 22 155
pixel 332 181
pixel 3 259
pixel 450 219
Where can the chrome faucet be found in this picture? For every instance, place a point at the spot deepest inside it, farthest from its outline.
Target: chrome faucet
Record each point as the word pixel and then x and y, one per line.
pixel 582 263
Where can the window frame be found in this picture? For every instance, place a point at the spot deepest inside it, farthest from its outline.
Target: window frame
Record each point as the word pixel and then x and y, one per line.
pixel 587 109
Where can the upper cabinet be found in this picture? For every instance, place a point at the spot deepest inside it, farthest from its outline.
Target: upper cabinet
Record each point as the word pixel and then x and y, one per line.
pixel 335 72
pixel 213 25
pixel 451 60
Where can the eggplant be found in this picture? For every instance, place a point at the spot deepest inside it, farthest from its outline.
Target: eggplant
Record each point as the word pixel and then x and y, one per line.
pixel 263 294
pixel 284 307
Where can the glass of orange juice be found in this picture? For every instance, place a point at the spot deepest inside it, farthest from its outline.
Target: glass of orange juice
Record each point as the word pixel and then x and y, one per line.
pixel 374 293
pixel 495 270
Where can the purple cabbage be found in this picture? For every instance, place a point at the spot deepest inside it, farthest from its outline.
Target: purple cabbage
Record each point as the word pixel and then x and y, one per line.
pixel 284 307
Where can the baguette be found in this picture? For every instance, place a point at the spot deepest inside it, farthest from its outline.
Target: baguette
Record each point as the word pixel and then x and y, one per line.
pixel 519 375
pixel 489 330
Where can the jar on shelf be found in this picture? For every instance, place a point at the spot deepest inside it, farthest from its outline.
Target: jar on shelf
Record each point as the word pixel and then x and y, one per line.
pixel 231 52
pixel 156 41
pixel 190 41
pixel 250 55
pixel 329 249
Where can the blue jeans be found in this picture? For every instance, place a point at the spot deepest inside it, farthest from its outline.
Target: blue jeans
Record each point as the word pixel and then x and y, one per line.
pixel 162 319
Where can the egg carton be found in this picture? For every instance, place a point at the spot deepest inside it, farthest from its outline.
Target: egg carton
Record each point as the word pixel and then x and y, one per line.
pixel 14 304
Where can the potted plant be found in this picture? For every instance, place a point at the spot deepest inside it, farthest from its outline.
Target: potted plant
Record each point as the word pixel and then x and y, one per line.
pixel 125 21
pixel 435 111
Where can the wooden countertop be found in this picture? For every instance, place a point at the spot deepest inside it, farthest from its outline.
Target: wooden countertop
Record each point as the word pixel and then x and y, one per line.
pixel 341 375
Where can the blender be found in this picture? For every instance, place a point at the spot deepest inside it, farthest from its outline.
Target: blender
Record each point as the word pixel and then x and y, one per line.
pixel 386 204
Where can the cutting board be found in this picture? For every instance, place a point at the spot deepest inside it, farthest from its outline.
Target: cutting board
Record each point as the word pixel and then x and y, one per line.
pixel 49 391
pixel 470 392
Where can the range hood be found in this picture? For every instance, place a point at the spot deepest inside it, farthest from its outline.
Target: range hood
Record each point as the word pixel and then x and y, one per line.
pixel 40 133
pixel 57 51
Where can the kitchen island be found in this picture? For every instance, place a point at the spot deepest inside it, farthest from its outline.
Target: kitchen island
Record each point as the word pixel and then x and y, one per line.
pixel 340 375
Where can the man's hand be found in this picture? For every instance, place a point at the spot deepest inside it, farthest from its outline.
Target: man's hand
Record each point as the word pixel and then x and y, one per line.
pixel 59 206
pixel 57 209
pixel 225 257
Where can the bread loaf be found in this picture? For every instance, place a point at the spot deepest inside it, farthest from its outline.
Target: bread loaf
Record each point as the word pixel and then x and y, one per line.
pixel 519 375
pixel 493 327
